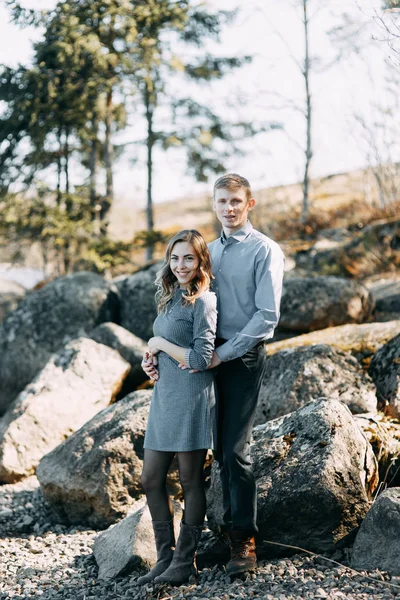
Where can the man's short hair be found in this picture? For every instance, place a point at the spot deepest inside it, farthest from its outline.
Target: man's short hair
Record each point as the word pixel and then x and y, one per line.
pixel 233 181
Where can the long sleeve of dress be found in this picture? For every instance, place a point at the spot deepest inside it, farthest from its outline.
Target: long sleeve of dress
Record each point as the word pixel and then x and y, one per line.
pixel 199 354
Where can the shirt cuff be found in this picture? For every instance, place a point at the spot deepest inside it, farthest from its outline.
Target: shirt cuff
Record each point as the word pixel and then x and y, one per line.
pixel 225 352
pixel 187 357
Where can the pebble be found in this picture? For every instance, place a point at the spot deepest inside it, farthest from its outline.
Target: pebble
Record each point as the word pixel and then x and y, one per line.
pixel 47 560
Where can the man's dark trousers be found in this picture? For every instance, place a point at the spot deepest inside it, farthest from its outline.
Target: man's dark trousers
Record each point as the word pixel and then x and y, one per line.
pixel 238 383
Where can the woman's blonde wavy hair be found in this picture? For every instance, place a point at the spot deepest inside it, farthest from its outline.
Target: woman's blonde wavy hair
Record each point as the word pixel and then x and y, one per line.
pixel 166 281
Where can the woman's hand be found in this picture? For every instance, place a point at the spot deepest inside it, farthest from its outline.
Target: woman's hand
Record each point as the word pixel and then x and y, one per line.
pixel 148 364
pixel 155 344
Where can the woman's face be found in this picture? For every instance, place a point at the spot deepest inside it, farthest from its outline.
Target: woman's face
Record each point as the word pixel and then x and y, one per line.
pixel 184 263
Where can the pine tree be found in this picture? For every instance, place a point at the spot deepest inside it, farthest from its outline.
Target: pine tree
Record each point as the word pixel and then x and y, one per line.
pixel 165 29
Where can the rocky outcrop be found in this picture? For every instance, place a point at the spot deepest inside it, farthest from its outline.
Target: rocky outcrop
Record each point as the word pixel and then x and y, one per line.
pixel 129 346
pixel 46 320
pixel 385 371
pixel 71 389
pixel 93 477
pixel 130 543
pixel 315 474
pixel 371 249
pixel 361 340
pixel 296 376
pixel 377 543
pixel 310 303
pixel 138 308
pixel 11 293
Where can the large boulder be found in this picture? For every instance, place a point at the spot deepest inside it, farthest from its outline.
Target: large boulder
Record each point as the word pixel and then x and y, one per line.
pixel 315 474
pixel 138 307
pixel 129 346
pixel 11 293
pixel 310 303
pixel 377 543
pixel 295 376
pixel 361 340
pixel 93 478
pixel 70 390
pixel 130 543
pixel 47 319
pixel 385 371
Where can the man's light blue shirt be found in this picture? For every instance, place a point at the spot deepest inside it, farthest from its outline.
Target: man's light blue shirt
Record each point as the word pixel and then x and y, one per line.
pixel 248 270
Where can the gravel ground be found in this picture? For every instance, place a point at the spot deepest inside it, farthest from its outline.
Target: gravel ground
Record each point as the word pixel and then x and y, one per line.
pixel 41 559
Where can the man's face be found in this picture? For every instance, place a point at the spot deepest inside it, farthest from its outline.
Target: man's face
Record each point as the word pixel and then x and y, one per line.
pixel 232 208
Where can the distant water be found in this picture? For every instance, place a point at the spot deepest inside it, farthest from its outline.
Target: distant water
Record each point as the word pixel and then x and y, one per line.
pixel 22 275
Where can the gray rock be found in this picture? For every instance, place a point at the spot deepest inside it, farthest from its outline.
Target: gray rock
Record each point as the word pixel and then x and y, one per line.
pixel 295 376
pixel 387 296
pixel 130 347
pixel 312 303
pixel 385 371
pixel 315 474
pixel 11 293
pixel 377 543
pixel 130 543
pixel 138 308
pixel 93 477
pixel 70 389
pixel 46 320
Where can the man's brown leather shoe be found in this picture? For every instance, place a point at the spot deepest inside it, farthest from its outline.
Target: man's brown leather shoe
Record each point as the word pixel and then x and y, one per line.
pixel 243 553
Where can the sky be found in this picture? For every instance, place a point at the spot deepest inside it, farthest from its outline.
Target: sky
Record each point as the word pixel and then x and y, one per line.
pixel 271 89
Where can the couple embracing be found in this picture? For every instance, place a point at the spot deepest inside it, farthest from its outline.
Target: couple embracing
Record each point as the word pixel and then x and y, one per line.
pixel 216 307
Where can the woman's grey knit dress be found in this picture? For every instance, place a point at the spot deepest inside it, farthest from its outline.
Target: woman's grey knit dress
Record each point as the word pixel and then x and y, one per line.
pixel 182 411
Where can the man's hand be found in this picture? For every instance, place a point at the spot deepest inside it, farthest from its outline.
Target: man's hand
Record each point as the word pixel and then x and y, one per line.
pixel 215 361
pixel 148 364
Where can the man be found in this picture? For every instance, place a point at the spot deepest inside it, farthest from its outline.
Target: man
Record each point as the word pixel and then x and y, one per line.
pixel 248 271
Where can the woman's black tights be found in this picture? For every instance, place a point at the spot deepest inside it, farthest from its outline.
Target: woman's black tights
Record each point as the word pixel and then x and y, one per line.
pixel 154 477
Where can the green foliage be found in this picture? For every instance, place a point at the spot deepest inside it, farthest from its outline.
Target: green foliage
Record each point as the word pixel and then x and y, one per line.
pixel 65 232
pixel 97 60
pixel 149 238
pixel 103 255
pixel 390 4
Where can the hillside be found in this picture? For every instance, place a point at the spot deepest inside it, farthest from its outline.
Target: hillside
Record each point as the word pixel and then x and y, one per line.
pixel 328 194
pixel 336 201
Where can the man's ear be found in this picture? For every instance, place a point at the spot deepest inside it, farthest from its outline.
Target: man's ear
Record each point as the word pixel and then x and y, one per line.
pixel 251 204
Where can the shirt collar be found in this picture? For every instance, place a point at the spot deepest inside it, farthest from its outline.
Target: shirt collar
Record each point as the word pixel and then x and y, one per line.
pixel 239 235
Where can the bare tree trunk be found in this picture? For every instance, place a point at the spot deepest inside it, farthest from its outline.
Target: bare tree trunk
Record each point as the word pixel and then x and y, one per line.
pixel 381 186
pixel 108 160
pixel 68 201
pixel 150 144
pixel 59 164
pixel 66 159
pixel 93 166
pixel 108 149
pixel 308 150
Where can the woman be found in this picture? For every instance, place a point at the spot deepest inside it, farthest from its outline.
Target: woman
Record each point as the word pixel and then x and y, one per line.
pixel 181 419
